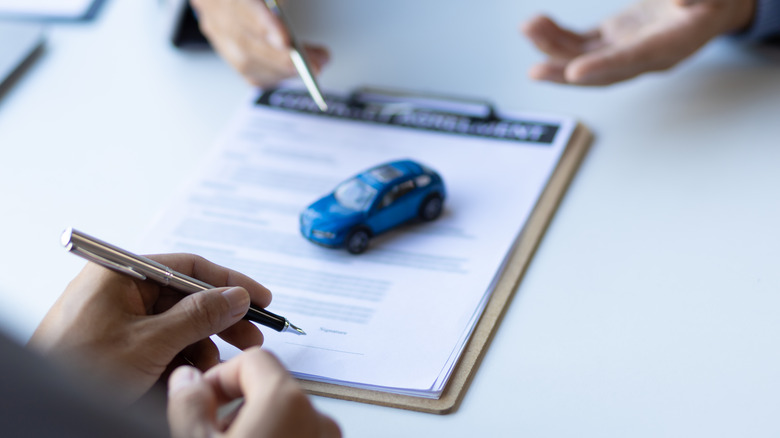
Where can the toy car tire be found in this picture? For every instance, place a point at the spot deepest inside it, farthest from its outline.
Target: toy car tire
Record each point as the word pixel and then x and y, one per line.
pixel 431 207
pixel 357 241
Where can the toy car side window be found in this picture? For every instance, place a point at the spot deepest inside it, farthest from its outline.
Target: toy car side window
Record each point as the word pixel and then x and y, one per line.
pixel 422 180
pixel 396 192
pixel 404 188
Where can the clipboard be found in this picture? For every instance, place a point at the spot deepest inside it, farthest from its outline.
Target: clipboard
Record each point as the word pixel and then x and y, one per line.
pixel 389 105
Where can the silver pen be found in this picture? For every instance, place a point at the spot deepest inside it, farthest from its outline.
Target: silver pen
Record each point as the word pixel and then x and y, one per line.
pixel 299 59
pixel 142 268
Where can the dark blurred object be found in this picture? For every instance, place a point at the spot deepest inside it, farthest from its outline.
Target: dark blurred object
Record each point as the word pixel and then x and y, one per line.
pixel 42 400
pixel 20 43
pixel 185 32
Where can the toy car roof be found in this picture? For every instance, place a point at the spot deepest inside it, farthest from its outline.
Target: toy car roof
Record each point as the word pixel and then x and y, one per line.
pixel 387 173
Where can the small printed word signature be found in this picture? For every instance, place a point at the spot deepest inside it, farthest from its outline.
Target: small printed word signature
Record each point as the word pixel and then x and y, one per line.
pixel 335 332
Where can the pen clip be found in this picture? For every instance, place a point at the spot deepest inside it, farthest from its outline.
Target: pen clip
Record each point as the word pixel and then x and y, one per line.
pixel 92 257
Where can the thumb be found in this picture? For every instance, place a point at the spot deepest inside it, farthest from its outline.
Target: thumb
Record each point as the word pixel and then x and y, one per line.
pixel 192 404
pixel 200 315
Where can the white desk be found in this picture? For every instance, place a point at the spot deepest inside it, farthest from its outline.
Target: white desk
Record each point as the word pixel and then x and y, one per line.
pixel 651 308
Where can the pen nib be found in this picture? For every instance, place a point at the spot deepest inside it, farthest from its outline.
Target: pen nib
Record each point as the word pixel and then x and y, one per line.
pixel 297 330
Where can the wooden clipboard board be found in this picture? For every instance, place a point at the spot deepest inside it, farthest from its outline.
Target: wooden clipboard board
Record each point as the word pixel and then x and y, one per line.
pixel 474 351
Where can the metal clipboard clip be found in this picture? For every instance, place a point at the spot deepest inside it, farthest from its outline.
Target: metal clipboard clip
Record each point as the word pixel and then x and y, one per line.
pixel 429 112
pixel 391 103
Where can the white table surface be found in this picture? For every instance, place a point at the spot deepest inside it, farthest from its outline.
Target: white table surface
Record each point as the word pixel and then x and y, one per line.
pixel 652 305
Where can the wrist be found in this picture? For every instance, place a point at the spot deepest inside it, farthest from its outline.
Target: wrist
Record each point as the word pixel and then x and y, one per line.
pixel 743 13
pixel 764 22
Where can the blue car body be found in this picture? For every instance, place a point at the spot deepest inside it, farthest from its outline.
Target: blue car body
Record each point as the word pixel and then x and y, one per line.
pixel 373 202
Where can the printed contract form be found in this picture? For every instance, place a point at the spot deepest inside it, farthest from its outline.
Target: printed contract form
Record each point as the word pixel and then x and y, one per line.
pixel 397 317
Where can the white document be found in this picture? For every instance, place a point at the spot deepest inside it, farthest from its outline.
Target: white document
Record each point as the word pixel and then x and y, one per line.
pixel 47 8
pixel 396 317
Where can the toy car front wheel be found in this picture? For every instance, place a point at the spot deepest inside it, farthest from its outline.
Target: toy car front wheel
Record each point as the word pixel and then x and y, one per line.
pixel 357 241
pixel 431 207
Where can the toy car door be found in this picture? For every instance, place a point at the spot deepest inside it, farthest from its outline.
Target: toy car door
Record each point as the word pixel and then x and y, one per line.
pixel 395 207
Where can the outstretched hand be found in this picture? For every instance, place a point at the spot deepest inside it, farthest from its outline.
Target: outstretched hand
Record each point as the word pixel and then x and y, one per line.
pixel 649 36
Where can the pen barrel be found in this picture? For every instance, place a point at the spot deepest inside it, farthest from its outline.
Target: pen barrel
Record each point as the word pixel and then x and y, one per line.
pixel 181 282
pixel 267 319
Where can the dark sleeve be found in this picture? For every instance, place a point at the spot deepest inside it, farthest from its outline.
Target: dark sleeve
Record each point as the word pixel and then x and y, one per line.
pixel 766 23
pixel 40 400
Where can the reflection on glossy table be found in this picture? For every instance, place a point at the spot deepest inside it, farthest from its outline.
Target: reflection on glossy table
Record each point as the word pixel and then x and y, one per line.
pixel 651 307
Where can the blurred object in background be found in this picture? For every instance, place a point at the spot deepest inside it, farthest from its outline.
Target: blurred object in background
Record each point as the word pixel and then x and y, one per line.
pixel 49 9
pixel 20 44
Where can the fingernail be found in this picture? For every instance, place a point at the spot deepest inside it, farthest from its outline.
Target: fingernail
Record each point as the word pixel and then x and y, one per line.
pixel 581 79
pixel 238 299
pixel 275 40
pixel 575 74
pixel 183 377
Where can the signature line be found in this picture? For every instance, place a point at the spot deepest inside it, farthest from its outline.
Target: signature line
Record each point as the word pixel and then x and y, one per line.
pixel 327 349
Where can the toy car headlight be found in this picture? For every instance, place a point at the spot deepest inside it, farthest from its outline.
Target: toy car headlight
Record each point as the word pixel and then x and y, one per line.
pixel 310 214
pixel 323 234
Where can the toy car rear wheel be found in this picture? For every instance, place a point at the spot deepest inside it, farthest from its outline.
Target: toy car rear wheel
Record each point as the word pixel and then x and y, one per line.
pixel 431 207
pixel 357 241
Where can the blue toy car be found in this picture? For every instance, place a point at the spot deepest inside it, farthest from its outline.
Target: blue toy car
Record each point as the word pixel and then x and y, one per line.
pixel 373 202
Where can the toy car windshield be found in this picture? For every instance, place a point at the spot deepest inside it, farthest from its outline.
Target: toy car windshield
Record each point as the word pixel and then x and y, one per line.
pixel 354 194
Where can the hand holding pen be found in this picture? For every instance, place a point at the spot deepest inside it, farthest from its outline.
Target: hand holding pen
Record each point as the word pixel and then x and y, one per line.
pixel 254 40
pixel 137 330
pixel 143 268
